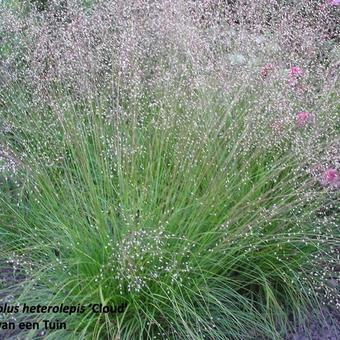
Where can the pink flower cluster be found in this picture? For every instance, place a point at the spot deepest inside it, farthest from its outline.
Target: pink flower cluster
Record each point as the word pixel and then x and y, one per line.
pixel 303 118
pixel 295 73
pixel 331 177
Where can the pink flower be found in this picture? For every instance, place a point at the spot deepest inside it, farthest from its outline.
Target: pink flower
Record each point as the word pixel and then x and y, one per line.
pixel 295 73
pixel 266 69
pixel 303 118
pixel 334 2
pixel 331 177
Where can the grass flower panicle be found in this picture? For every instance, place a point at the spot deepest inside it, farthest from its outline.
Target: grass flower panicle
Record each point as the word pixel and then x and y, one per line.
pixel 151 157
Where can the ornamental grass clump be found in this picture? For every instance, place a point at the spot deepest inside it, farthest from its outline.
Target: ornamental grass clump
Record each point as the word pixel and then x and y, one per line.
pixel 177 158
